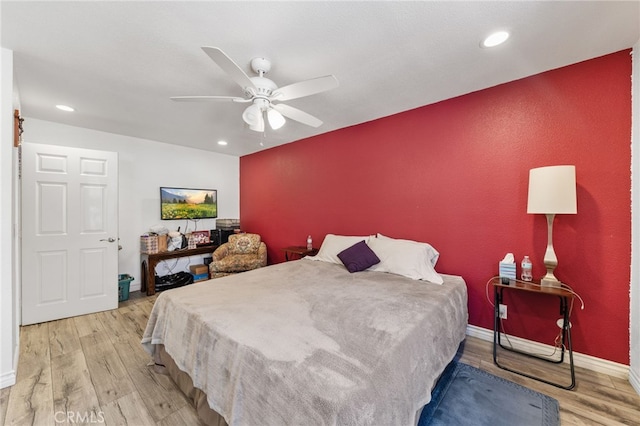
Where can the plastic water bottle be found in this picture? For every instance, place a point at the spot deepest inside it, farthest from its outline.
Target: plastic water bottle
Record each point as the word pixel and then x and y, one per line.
pixel 309 243
pixel 526 269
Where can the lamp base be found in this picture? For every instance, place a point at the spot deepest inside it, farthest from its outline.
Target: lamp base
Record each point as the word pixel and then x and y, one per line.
pixel 550 282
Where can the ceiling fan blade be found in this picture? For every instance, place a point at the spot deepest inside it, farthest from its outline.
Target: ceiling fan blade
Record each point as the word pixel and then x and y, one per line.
pixel 208 98
pixel 230 67
pixel 305 88
pixel 297 115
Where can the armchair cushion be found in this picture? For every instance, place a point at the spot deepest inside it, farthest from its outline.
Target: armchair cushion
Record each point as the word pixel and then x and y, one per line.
pixel 244 243
pixel 236 263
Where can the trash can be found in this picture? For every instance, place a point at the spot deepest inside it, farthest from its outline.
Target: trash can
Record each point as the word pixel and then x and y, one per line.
pixel 124 280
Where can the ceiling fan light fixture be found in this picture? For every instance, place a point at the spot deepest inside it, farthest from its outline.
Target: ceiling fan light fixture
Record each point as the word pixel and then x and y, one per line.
pixel 261 92
pixel 252 115
pixel 276 120
pixel 258 127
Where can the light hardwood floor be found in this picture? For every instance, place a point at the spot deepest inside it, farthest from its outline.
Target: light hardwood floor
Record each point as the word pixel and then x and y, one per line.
pixel 92 370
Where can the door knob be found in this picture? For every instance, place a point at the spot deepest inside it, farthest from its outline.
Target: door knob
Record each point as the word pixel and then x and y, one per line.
pixel 111 240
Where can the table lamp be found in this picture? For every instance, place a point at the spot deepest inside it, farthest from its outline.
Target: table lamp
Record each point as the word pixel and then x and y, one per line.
pixel 552 190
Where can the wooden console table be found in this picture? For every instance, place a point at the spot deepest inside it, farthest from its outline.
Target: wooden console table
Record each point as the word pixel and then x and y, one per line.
pixel 150 261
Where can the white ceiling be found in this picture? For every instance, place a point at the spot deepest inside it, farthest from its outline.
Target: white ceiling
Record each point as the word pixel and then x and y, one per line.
pixel 118 63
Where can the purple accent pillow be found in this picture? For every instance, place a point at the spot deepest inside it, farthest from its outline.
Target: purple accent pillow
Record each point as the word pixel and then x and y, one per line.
pixel 358 257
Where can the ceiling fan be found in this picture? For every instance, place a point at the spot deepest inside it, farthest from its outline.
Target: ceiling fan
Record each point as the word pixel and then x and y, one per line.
pixel 263 93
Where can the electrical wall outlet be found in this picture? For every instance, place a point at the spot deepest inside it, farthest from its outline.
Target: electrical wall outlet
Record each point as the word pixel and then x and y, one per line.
pixel 502 309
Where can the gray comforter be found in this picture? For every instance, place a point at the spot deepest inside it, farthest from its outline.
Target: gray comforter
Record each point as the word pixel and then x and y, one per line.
pixel 308 343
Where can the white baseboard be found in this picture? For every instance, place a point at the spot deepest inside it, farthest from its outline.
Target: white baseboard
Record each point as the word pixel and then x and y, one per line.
pixel 634 379
pixel 580 360
pixel 7 379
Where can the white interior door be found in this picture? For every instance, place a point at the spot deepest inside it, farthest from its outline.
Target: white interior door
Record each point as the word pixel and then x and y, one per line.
pixel 69 232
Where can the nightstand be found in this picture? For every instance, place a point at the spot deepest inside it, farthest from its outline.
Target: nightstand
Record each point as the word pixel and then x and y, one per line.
pixel 565 296
pixel 298 252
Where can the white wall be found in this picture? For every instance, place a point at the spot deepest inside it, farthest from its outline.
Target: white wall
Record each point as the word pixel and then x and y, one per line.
pixel 9 328
pixel 634 318
pixel 144 166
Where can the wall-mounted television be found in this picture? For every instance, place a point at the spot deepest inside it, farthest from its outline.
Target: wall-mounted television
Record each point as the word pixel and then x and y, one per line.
pixel 188 203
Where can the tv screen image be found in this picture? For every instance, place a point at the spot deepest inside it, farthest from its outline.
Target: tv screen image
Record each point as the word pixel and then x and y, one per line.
pixel 188 203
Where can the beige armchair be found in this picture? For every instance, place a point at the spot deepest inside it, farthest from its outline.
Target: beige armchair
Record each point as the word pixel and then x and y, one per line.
pixel 242 253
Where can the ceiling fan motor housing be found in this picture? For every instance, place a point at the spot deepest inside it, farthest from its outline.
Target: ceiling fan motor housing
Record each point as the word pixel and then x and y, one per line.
pixel 263 86
pixel 261 65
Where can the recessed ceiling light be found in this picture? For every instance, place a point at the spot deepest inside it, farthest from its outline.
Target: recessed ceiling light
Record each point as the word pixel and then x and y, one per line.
pixel 65 108
pixel 223 143
pixel 495 39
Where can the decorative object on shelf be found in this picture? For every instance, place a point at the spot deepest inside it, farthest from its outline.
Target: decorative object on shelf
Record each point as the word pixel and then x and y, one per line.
pixel 552 190
pixel 149 244
pixel 191 241
pixel 201 237
pixel 17 128
pixel 153 243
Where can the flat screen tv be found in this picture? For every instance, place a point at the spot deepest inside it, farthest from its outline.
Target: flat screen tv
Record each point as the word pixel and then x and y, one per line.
pixel 188 203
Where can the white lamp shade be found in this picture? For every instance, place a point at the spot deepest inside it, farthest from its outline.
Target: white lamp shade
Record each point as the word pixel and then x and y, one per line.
pixel 276 120
pixel 252 115
pixel 552 189
pixel 258 127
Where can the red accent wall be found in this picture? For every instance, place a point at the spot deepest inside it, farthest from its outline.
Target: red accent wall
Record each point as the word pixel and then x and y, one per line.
pixel 455 174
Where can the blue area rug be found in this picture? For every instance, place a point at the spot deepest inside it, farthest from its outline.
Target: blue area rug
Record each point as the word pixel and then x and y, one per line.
pixel 465 395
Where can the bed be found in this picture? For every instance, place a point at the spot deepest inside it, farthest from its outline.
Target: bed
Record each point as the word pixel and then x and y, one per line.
pixel 308 342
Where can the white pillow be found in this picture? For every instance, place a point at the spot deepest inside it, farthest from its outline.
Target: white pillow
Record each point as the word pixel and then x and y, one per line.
pixel 402 257
pixel 432 253
pixel 334 244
